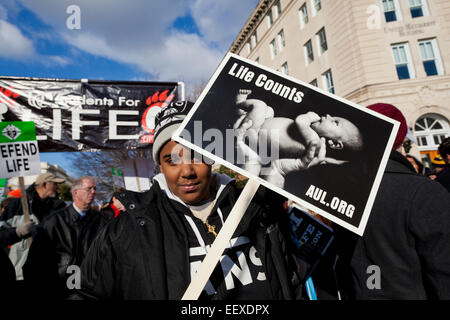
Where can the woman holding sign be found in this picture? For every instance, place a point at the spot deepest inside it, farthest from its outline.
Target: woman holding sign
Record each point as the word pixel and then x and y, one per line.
pixel 153 251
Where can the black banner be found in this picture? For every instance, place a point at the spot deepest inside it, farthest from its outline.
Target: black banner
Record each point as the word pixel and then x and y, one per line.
pixel 78 115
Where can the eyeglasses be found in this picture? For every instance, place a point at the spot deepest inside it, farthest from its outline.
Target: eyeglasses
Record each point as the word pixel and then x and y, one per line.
pixel 88 189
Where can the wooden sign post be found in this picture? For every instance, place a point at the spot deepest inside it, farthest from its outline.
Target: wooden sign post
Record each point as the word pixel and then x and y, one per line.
pixel 19 156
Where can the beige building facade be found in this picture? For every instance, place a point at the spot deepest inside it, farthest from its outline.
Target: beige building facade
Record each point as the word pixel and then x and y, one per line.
pixel 367 51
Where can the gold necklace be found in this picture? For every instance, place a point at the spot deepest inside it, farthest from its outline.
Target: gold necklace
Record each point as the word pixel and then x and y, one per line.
pixel 211 229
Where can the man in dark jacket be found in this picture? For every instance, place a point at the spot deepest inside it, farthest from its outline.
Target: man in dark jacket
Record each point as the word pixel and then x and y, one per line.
pixel 61 241
pixel 404 252
pixel 14 230
pixel 153 251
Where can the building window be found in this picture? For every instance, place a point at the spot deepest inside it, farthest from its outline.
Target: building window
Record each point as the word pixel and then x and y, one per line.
pixel 254 40
pixel 277 9
pixel 284 68
pixel 402 60
pixel 303 12
pixel 248 46
pixel 431 130
pixel 269 19
pixel 314 83
pixel 316 6
pixel 430 57
pixel 328 83
pixel 322 41
pixel 418 8
pixel 257 60
pixel 309 53
pixel 273 49
pixel 391 12
pixel 280 40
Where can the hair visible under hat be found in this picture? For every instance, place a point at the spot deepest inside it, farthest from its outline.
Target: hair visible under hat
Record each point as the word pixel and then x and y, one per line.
pixel 392 112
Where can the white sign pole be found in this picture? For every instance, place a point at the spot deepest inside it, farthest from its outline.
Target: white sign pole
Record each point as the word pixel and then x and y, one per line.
pixel 208 264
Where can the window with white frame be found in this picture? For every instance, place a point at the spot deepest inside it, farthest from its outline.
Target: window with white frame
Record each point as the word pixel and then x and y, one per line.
pixel 248 46
pixel 418 8
pixel 254 40
pixel 316 7
pixel 391 10
pixel 284 68
pixel 322 41
pixel 269 18
pixel 430 130
pixel 309 53
pixel 273 49
pixel 327 79
pixel 403 61
pixel 431 57
pixel 277 9
pixel 303 12
pixel 280 40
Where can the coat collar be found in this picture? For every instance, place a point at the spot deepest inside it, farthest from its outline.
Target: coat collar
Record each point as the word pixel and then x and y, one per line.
pixel 220 180
pixel 399 164
pixel 75 216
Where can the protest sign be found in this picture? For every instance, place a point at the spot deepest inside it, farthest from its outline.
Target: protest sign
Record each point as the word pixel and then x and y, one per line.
pixel 322 151
pixel 3 188
pixel 19 156
pixel 82 115
pixel 19 151
pixel 307 229
pixel 117 178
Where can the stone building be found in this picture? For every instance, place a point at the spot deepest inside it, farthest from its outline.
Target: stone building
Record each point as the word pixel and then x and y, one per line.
pixel 367 51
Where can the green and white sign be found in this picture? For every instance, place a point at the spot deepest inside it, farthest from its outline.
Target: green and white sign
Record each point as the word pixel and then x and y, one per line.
pixel 3 188
pixel 19 152
pixel 117 177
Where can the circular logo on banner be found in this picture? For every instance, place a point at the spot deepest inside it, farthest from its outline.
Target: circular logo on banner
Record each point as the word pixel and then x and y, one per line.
pixel 156 102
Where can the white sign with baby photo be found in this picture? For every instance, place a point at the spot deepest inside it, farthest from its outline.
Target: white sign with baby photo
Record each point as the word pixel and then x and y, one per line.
pixel 315 148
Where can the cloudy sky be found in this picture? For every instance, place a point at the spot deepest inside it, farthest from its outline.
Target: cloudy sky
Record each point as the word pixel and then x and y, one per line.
pixel 170 40
pixel 156 40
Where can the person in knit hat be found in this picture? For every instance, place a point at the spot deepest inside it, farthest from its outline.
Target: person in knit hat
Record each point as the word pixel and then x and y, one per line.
pixel 394 113
pixel 153 251
pixel 404 252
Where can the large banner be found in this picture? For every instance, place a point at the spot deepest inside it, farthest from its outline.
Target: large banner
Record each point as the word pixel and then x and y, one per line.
pixel 324 152
pixel 77 115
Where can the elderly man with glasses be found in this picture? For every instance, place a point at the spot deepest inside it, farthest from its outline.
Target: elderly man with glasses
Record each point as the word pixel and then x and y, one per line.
pixel 61 243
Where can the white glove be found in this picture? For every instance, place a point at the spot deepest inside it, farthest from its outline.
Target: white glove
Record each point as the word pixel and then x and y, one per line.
pixel 25 229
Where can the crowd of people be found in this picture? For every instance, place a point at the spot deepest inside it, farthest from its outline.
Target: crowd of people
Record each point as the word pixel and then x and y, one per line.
pixel 149 245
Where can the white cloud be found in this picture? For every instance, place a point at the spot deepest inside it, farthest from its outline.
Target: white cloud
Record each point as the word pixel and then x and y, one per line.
pixel 140 32
pixel 62 61
pixel 220 21
pixel 13 44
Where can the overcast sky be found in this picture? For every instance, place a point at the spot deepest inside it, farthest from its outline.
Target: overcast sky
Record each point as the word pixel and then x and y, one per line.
pixel 170 40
